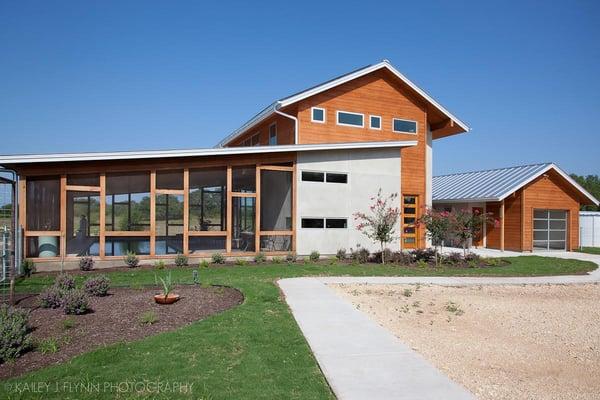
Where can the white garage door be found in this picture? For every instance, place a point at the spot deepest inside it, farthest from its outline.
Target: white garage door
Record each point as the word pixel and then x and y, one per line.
pixel 549 230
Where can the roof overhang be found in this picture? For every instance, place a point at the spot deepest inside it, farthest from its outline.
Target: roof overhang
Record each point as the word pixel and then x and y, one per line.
pixel 156 154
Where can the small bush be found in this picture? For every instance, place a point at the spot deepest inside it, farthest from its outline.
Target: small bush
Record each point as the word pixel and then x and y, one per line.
pixel 360 255
pixel 204 264
pixel 181 260
pixel 402 258
pixel 454 258
pixel 472 257
pixel 260 258
pixel 75 302
pixel 15 333
pixel 68 323
pixel 422 264
pixel 341 254
pixel 241 262
pixel 218 258
pixel 51 297
pixel 86 263
pixel 97 285
pixel 64 282
pixel 160 264
pixel 131 259
pixel 27 268
pixel 276 260
pixel 426 255
pixel 47 346
pixel 290 257
pixel 148 318
pixel 314 256
pixel 389 256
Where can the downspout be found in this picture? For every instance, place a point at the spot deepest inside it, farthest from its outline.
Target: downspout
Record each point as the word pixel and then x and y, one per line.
pixel 16 239
pixel 276 109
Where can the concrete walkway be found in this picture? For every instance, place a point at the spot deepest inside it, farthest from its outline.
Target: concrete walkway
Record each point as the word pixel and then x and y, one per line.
pixel 362 360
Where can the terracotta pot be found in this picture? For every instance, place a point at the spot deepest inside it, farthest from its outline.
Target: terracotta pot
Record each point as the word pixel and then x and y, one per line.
pixel 162 299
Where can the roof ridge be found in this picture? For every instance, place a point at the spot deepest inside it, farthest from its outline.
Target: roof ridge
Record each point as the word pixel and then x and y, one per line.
pixel 494 169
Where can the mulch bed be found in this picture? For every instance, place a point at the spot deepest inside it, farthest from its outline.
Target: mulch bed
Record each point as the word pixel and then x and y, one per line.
pixel 115 318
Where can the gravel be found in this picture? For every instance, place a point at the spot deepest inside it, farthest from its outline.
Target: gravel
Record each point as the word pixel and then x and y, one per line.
pixel 500 342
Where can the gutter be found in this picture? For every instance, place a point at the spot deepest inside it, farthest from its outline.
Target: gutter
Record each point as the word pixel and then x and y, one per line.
pixel 295 119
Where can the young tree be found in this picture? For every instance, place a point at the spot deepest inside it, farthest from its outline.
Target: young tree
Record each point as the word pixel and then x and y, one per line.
pixel 437 224
pixel 466 225
pixel 379 225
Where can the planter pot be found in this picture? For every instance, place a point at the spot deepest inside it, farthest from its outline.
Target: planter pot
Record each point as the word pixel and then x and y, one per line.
pixel 48 246
pixel 162 299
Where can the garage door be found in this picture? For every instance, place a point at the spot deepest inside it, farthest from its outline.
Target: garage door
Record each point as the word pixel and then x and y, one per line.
pixel 549 230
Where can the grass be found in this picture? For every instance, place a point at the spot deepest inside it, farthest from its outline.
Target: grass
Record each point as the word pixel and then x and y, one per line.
pixel 590 250
pixel 253 351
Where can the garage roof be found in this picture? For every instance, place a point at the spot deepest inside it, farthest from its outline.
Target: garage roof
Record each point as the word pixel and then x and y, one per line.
pixel 494 184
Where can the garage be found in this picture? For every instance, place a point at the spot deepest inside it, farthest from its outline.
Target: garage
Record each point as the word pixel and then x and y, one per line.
pixel 536 206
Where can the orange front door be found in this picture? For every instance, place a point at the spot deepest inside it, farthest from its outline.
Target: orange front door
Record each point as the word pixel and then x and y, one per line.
pixel 478 239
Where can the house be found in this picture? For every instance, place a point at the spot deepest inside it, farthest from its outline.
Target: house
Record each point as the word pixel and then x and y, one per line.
pixel 537 206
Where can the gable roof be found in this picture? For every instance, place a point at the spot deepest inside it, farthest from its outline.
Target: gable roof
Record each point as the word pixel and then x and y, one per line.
pixel 494 184
pixel 286 101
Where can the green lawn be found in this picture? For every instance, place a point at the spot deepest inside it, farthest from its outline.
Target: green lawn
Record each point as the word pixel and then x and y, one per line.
pixel 250 352
pixel 590 250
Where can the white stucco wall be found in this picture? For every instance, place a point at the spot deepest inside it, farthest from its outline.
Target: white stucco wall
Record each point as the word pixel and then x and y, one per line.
pixel 368 170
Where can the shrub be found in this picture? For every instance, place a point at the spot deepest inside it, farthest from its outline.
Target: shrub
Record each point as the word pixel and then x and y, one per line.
pixel 472 257
pixel 241 262
pixel 290 257
pixel 260 258
pixel 341 254
pixel 27 268
pixel 86 263
pixel 218 258
pixel 360 255
pixel 402 258
pixel 97 285
pixel 51 297
pixel 148 318
pixel 131 259
pixel 314 256
pixel 276 260
pixel 15 333
pixel 454 258
pixel 204 264
pixel 64 282
pixel 47 346
pixel 426 255
pixel 181 260
pixel 75 302
pixel 422 264
pixel 389 256
pixel 68 323
pixel 160 264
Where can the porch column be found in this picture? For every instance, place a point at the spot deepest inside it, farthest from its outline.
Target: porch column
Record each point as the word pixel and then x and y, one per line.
pixel 502 225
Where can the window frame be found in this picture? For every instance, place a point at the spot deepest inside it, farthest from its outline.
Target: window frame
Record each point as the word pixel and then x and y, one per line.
pixel 345 219
pixel 312 172
pixel 316 218
pixel 371 122
pixel 312 115
pixel 336 173
pixel 405 120
pixel 337 119
pixel 271 135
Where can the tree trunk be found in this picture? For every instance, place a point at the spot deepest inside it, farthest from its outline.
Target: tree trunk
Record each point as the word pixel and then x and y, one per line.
pixel 382 253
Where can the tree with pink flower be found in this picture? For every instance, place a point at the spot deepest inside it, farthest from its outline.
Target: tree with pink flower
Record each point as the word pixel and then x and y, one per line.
pixel 379 224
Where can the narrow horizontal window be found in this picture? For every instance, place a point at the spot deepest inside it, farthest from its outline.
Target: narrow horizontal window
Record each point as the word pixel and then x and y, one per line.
pixel 318 114
pixel 310 176
pixel 312 223
pixel 375 122
pixel 336 223
pixel 337 178
pixel 350 119
pixel 404 126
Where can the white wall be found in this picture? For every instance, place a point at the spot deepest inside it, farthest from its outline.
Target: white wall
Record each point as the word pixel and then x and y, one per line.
pixel 368 170
pixel 589 223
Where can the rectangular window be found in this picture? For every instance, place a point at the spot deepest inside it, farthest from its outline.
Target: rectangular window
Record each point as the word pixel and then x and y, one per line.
pixel 409 219
pixel 244 179
pixel 273 135
pixel 119 246
pixel 276 200
pixel 43 204
pixel 404 126
pixel 317 115
pixel 83 223
pixel 169 224
pixel 206 244
pixel 208 199
pixel 309 176
pixel 255 140
pixel 317 223
pixel 337 178
pixel 243 224
pixel 350 119
pixel 128 201
pixel 83 180
pixel 172 179
pixel 275 243
pixel 375 122
pixel 336 223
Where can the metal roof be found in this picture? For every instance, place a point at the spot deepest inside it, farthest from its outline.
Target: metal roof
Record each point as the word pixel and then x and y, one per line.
pixel 493 184
pixel 152 154
pixel 286 101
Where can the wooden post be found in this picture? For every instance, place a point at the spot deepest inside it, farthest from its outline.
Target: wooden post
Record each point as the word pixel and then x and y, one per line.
pixel 294 230
pixel 153 212
pixel 22 212
pixel 502 226
pixel 186 211
pixel 257 211
pixel 102 251
pixel 63 217
pixel 229 198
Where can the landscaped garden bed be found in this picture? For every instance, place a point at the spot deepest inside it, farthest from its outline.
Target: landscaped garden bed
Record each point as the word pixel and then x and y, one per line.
pixel 124 315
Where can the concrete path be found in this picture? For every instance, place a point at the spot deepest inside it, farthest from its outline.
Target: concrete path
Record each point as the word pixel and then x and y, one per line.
pixel 362 360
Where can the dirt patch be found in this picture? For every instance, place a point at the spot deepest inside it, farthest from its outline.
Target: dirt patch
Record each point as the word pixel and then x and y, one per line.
pixel 115 318
pixel 500 342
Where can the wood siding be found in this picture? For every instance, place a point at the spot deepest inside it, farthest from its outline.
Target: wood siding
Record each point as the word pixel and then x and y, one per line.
pixel 285 132
pixel 493 230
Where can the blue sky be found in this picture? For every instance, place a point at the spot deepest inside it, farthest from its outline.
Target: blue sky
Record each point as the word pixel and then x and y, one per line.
pixel 123 75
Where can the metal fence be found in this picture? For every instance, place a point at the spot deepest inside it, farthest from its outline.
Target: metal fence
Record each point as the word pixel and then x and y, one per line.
pixel 589 225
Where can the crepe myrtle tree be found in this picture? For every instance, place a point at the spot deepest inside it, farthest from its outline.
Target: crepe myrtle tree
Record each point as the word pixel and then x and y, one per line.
pixel 467 224
pixel 379 223
pixel 437 225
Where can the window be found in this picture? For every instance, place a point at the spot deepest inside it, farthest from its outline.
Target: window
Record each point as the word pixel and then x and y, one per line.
pixel 273 135
pixel 350 119
pixel 404 126
pixel 208 194
pixel 275 243
pixel 313 223
pixel 337 178
pixel 409 219
pixel 309 176
pixel 169 179
pixel 244 179
pixel 336 223
pixel 169 224
pixel 255 140
pixel 276 200
pixel 317 115
pixel 83 180
pixel 119 246
pixel 83 223
pixel 550 229
pixel 128 202
pixel 43 204
pixel 243 224
pixel 375 122
pixel 206 244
